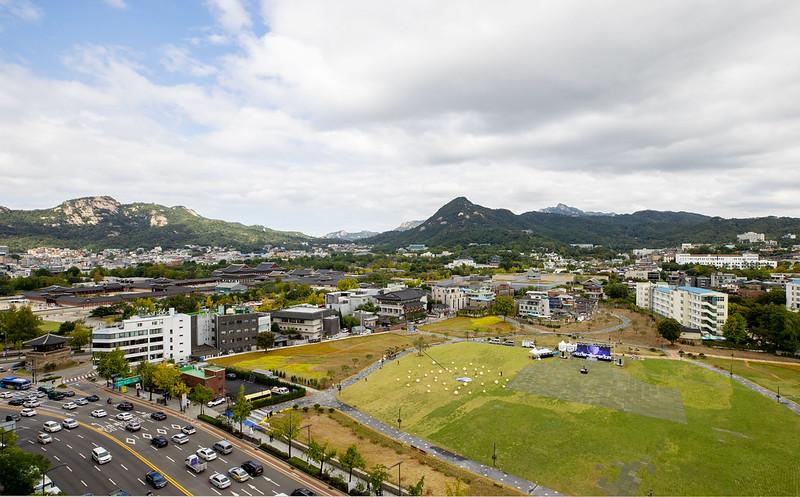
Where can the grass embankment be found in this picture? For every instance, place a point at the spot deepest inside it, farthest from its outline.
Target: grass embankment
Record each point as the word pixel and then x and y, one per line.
pixel 462 327
pixel 768 375
pixel 661 425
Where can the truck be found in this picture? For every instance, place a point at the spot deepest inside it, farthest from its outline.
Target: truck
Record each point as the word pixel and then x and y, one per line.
pixel 196 464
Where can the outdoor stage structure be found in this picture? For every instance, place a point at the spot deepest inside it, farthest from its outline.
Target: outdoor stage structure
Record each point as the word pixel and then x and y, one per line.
pixel 593 351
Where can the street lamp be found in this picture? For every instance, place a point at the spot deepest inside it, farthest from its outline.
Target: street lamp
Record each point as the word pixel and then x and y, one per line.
pixel 399 420
pixel 494 454
pixel 399 488
pixel 731 372
pixel 308 447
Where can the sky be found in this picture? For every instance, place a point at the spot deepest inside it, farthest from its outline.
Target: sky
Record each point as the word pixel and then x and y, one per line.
pixel 355 114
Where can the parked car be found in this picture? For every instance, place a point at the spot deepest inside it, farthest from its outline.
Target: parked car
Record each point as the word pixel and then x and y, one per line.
pixel 159 441
pixel 101 455
pixel 207 454
pixel 27 412
pixel 81 401
pixel 69 423
pixel 230 376
pixel 223 447
pixel 179 438
pixel 125 406
pixel 93 398
pixel 238 474
pixel 189 430
pixel 216 402
pixel 13 417
pixel 6 395
pixel 158 416
pixel 133 426
pixel 220 481
pixel 44 438
pixel 70 406
pixel 99 413
pixel 51 426
pixel 69 393
pixel 253 468
pixel 124 416
pixel 155 479
pixel 302 491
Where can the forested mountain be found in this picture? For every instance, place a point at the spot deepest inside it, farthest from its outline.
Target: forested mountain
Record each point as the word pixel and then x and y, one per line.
pixel 102 222
pixel 460 222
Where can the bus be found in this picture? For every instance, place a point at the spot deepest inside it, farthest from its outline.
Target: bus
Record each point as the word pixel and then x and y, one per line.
pixel 264 394
pixel 14 383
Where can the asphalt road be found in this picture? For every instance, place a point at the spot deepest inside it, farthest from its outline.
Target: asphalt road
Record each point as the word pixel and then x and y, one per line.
pixel 133 455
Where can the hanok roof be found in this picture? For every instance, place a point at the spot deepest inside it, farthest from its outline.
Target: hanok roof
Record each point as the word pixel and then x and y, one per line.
pixel 48 339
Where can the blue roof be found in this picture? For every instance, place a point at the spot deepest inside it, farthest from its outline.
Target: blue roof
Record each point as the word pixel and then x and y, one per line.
pixel 663 289
pixel 795 281
pixel 694 289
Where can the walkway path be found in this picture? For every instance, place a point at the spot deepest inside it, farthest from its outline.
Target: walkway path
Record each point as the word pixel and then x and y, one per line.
pixel 608 329
pixel 752 386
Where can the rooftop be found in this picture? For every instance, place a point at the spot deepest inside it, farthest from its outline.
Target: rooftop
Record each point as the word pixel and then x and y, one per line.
pixel 696 290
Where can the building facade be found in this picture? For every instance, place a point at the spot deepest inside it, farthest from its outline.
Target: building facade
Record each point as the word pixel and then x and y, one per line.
pixel 148 338
pixel 535 305
pixel 746 260
pixel 451 295
pixel 696 308
pixel 310 322
pixel 793 295
pixel 402 305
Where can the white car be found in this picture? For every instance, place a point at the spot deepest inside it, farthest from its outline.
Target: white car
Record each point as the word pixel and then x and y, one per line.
pixel 32 403
pixel 69 423
pixel 239 474
pixel 207 454
pixel 51 426
pixel 82 401
pixel 70 406
pixel 215 402
pixel 179 438
pixel 44 438
pixel 220 481
pixel 189 430
pixel 124 416
pixel 99 413
pixel 27 412
pixel 101 455
pixel 6 395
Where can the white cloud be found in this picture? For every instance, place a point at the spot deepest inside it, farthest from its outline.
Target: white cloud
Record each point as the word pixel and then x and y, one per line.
pixel 179 59
pixel 20 9
pixel 117 4
pixel 231 14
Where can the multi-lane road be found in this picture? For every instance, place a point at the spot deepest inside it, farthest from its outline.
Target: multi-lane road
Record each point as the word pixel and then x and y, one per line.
pixel 133 455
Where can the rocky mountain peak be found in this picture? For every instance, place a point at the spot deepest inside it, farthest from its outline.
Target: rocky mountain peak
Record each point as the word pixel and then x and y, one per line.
pixel 88 210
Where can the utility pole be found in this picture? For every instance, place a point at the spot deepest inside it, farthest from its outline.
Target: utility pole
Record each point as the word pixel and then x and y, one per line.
pixel 399 420
pixel 494 454
pixel 731 372
pixel 399 488
pixel 308 447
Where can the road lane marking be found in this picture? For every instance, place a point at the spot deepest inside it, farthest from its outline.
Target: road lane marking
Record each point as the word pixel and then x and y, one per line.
pixel 223 460
pixel 245 491
pixel 84 484
pixel 57 439
pixel 112 482
pixel 191 473
pixel 180 449
pixel 140 481
pixel 44 449
pixel 215 491
pixel 171 459
pixel 57 458
pixel 176 427
pixel 30 442
pixel 130 441
pixel 95 467
pixel 162 431
pixel 264 477
pixel 256 489
pixel 80 436
pixel 123 466
pixel 147 436
pixel 70 469
pixel 81 455
pixel 69 446
pixel 95 444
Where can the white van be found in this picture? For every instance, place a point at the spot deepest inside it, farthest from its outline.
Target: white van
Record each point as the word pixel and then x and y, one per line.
pixel 51 426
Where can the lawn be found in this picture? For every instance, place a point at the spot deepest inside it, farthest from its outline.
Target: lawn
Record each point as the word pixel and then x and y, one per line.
pixel 488 326
pixel 335 359
pixel 50 326
pixel 768 375
pixel 661 425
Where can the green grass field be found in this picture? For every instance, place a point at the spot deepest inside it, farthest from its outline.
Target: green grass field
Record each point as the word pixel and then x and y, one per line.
pixel 768 375
pixel 335 359
pixel 50 326
pixel 660 425
pixel 487 326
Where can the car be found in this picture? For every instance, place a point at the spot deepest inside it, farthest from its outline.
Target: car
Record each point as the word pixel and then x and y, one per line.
pixel 27 412
pixel 101 455
pixel 189 430
pixel 16 402
pixel 81 401
pixel 70 406
pixel 133 425
pixel 223 447
pixel 119 493
pixel 238 474
pixel 207 454
pixel 13 417
pixel 215 402
pixel 44 389
pixel 99 413
pixel 56 395
pixel 32 403
pixel 93 398
pixel 220 481
pixel 253 468
pixel 125 406
pixel 180 438
pixel 44 438
pixel 302 491
pixel 6 395
pixel 159 441
pixel 230 376
pixel 40 395
pixel 51 426
pixel 69 393
pixel 69 423
pixel 158 416
pixel 155 479
pixel 124 416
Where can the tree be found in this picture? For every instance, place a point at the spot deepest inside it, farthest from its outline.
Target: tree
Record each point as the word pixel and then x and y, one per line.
pixel 113 364
pixel 321 453
pixel 349 322
pixel 420 344
pixel 21 324
pixel 669 329
pixel 275 328
pixel 457 488
pixel 201 394
pixel 20 471
pixel 145 306
pixel 165 377
pixel 178 390
pixel 504 305
pixel 265 340
pixel 286 427
pixel 347 284
pixel 66 327
pixel 376 477
pixel 242 409
pixel 735 329
pixel 417 488
pixel 616 290
pixel 352 459
pixel 80 336
pixel 146 371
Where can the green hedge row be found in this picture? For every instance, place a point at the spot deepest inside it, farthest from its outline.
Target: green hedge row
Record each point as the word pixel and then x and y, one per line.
pixel 309 469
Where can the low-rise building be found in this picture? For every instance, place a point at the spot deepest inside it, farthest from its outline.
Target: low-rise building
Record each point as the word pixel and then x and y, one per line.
pixel 450 294
pixel 745 260
pixel 402 305
pixel 212 377
pixel 793 295
pixel 535 305
pixel 148 338
pixel 308 321
pixel 751 237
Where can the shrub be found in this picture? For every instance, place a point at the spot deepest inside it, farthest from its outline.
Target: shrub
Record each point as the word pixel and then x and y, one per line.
pixel 274 451
pixel 701 355
pixel 305 408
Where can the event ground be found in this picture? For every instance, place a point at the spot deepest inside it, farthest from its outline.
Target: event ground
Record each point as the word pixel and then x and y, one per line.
pixel 655 425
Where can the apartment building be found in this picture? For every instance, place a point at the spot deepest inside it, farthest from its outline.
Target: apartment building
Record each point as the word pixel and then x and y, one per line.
pixel 535 304
pixel 226 330
pixel 793 295
pixel 751 237
pixel 697 308
pixel 745 260
pixel 451 294
pixel 148 338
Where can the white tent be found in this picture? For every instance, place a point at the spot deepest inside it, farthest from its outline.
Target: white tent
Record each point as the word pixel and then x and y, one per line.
pixel 539 353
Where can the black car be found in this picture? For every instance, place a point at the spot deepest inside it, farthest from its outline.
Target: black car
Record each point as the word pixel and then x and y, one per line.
pixel 13 417
pixel 302 491
pixel 16 402
pixel 125 406
pixel 160 441
pixel 69 393
pixel 93 398
pixel 158 416
pixel 155 478
pixel 56 395
pixel 230 376
pixel 253 468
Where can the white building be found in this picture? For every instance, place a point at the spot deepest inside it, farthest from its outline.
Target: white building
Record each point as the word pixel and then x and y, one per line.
pixel 466 261
pixel 793 295
pixel 450 294
pixel 746 260
pixel 148 338
pixel 696 308
pixel 535 304
pixel 751 237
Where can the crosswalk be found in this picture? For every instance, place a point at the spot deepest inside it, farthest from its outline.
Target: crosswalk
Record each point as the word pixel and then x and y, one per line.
pixel 81 377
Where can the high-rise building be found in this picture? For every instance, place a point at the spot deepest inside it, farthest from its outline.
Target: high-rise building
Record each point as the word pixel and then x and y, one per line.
pixel 696 308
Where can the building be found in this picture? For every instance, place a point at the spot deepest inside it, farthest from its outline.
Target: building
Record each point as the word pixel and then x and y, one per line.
pixel 402 305
pixel 47 349
pixel 751 237
pixel 745 260
pixel 535 305
pixel 229 287
pixel 308 321
pixel 793 295
pixel 236 330
pixel 148 338
pixel 212 377
pixel 696 308
pixel 461 261
pixel 346 302
pixel 450 294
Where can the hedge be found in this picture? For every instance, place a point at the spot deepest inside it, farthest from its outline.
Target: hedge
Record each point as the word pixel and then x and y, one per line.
pixel 307 468
pixel 277 399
